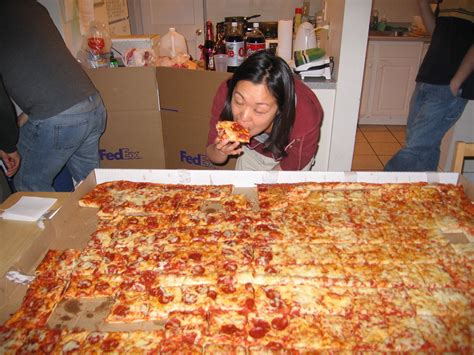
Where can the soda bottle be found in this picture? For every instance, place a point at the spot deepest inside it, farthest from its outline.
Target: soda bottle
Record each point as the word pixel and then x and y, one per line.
pixel 209 47
pixel 255 40
pixel 235 48
pixel 219 47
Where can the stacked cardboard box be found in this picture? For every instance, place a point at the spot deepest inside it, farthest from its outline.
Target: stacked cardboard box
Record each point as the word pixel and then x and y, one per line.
pixel 186 99
pixel 157 117
pixel 133 137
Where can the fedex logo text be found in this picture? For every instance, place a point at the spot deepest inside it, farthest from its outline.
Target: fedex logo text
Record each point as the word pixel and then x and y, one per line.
pixel 199 159
pixel 121 154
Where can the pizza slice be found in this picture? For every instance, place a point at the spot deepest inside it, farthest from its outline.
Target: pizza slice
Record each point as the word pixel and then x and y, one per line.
pixel 232 131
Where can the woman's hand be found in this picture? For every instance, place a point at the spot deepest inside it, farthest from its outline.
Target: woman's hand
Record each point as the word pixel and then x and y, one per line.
pixel 228 148
pixel 221 149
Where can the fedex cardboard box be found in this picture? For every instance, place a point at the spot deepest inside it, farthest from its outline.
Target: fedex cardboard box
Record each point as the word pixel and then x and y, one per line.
pixel 185 100
pixel 133 137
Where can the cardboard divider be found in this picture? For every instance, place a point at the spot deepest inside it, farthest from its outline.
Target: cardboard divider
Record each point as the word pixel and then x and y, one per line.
pixel 127 89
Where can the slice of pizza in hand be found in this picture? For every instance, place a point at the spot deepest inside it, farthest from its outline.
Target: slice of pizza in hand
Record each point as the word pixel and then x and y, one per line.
pixel 232 131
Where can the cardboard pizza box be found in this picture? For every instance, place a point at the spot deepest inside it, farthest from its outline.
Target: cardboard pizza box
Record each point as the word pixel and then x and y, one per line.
pixel 72 226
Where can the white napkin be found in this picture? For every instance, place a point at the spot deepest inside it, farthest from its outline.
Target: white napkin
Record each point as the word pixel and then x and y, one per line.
pixel 29 209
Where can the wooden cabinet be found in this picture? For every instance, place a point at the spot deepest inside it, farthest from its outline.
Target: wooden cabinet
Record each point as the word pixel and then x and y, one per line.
pixel 389 79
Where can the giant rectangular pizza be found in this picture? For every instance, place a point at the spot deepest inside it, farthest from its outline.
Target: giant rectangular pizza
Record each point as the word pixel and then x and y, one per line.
pixel 310 268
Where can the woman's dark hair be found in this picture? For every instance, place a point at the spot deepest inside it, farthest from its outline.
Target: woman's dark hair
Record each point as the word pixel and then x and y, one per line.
pixel 263 67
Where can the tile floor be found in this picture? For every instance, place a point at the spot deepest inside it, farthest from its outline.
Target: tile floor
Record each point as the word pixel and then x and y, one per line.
pixel 375 145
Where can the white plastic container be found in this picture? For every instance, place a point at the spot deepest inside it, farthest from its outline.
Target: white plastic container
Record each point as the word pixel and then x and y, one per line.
pixel 173 44
pixel 305 37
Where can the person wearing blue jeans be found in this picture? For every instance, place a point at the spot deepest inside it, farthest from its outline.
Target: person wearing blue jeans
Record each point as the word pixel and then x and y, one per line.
pixel 433 111
pixel 68 139
pixel 445 83
pixel 66 115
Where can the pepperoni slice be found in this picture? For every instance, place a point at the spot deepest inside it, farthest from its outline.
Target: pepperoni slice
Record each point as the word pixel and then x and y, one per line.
pixel 274 346
pixel 229 329
pixel 230 266
pixel 279 323
pixel 166 298
pixel 95 337
pixel 173 323
pixel 132 220
pixel 102 286
pixel 212 294
pixel 270 270
pixel 228 288
pixel 152 222
pixel 167 255
pixel 148 277
pixel 109 344
pixel 189 298
pixel 120 310
pixel 250 304
pixel 195 256
pixel 190 337
pixel 163 297
pixel 198 270
pixel 260 329
pixel 272 294
pixel 84 284
pixel 225 280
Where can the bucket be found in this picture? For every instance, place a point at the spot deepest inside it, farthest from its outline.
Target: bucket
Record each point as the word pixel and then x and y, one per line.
pixel 173 44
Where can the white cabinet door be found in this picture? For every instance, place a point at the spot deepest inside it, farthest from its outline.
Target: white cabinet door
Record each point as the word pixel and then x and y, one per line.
pixel 394 84
pixel 187 16
pixel 389 80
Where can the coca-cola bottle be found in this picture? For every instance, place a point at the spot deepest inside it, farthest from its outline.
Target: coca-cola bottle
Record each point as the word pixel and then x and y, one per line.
pixel 255 40
pixel 235 48
pixel 209 47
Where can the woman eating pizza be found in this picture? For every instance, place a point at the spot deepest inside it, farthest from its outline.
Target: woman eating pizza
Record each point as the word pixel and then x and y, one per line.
pixel 281 114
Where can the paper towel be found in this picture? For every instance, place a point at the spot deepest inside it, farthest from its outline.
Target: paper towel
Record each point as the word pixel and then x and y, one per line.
pixel 285 39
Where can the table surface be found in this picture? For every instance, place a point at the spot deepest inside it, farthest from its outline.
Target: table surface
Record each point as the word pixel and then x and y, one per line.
pixel 16 236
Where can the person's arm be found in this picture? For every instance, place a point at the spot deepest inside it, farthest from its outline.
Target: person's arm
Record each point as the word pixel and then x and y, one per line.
pixel 219 152
pixel 216 150
pixel 465 69
pixel 11 160
pixel 8 122
pixel 428 17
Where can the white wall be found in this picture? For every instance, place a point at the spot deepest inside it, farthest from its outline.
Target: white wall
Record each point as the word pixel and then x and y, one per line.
pixel 349 83
pixel 270 10
pixel 65 16
pixel 397 10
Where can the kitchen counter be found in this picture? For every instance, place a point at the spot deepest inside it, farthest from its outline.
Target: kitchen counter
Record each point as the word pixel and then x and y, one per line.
pixel 390 36
pixel 320 83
